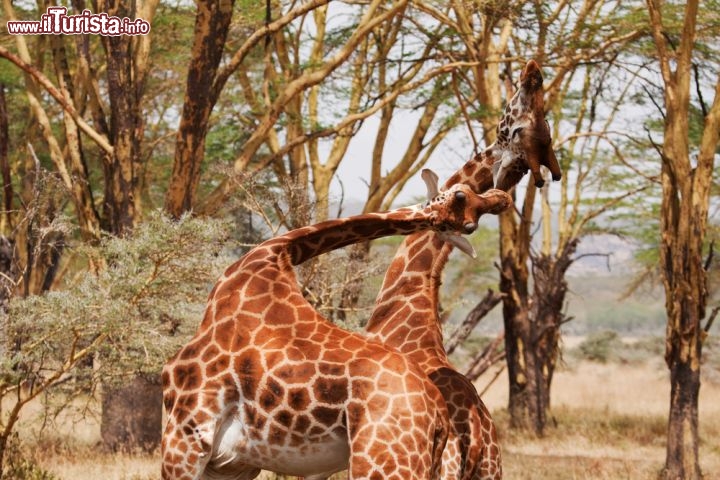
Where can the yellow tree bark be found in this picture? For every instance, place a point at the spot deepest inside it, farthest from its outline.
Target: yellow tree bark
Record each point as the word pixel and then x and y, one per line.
pixel 683 226
pixel 533 315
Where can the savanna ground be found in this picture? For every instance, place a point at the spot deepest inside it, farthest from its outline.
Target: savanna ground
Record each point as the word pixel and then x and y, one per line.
pixel 608 422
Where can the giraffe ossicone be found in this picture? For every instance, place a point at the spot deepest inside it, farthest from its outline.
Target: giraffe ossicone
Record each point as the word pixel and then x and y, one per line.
pixel 432 182
pixel 267 382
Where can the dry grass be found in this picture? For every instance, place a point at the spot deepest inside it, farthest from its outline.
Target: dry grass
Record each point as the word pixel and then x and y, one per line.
pixel 608 421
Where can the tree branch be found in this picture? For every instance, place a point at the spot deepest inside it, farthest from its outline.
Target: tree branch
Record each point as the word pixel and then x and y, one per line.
pixel 709 259
pixel 486 358
pixel 654 102
pixel 99 139
pixel 256 37
pixel 711 319
pixel 491 299
pixel 606 255
pixel 703 107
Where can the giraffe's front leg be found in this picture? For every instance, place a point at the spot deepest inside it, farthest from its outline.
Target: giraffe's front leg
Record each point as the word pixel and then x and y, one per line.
pixel 184 455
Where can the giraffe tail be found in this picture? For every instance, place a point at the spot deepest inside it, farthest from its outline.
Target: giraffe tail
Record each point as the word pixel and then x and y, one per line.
pixel 439 441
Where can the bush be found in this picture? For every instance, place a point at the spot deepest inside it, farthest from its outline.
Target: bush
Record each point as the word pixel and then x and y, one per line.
pixel 601 346
pixel 607 345
pixel 20 466
pixel 144 300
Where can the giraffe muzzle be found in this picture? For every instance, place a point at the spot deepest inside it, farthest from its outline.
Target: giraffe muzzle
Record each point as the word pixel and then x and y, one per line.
pixel 470 227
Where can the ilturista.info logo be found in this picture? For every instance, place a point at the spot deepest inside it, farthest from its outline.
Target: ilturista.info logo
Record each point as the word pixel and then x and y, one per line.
pixel 57 22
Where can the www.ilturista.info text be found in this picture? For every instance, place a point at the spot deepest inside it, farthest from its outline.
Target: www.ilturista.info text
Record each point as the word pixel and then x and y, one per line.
pixel 57 22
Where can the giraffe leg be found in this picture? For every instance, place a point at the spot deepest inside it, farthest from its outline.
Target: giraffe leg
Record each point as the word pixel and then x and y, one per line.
pixel 184 454
pixel 188 457
pixel 393 451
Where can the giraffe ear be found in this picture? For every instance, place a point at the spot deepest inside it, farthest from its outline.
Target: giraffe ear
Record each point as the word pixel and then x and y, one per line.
pixel 461 243
pixel 431 182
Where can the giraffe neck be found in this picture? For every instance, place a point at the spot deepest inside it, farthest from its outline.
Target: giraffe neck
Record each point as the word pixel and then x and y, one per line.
pixel 477 172
pixel 308 242
pixel 406 309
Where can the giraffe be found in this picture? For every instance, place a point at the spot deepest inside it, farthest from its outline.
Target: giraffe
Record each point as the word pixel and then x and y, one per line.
pixel 268 383
pixel 406 309
pixel 523 136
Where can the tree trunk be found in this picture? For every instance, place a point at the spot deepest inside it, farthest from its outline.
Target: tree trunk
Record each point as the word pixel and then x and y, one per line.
pixel 7 190
pixel 683 225
pixel 125 78
pixel 132 415
pixel 138 425
pixel 514 251
pixel 685 283
pixel 532 319
pixel 546 317
pixel 211 27
pixel 77 168
pixel 682 446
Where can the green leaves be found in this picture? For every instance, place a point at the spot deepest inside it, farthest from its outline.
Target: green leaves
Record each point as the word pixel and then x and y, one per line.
pixel 132 314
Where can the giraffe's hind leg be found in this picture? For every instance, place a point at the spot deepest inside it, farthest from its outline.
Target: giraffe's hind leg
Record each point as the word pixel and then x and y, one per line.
pixel 386 450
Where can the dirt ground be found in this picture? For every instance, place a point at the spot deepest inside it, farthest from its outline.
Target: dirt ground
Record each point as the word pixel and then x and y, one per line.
pixel 607 421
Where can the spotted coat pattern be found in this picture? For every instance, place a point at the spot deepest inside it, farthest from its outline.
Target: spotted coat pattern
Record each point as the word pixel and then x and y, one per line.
pixel 523 135
pixel 406 309
pixel 268 383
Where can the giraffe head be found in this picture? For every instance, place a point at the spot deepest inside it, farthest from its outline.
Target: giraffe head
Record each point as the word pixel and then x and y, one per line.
pixel 524 141
pixel 456 211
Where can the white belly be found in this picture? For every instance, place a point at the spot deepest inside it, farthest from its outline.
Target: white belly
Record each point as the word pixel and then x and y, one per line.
pixel 236 446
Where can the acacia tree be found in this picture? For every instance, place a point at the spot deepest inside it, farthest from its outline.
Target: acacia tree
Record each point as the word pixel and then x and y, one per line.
pixel 686 188
pixel 206 81
pixel 533 316
pixel 461 35
pixel 117 129
pixel 286 84
pixel 588 153
pixel 132 313
pixel 102 79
